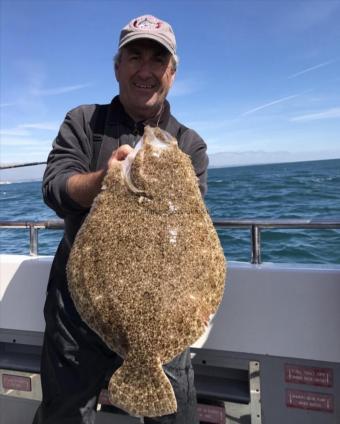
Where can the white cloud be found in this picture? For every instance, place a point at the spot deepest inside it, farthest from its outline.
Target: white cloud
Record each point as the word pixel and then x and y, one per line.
pixel 183 87
pixel 212 124
pixel 312 68
pixel 22 141
pixel 49 126
pixel 326 114
pixel 57 90
pixel 2 105
pixel 23 130
pixel 308 15
pixel 274 102
pixel 14 132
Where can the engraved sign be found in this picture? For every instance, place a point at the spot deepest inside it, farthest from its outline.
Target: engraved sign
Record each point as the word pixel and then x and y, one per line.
pixel 322 377
pixel 211 414
pixel 309 400
pixel 16 382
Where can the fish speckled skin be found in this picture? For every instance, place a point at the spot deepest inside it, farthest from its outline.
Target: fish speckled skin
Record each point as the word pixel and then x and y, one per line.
pixel 147 270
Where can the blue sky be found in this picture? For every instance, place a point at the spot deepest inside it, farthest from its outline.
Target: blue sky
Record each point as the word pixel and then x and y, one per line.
pixel 253 76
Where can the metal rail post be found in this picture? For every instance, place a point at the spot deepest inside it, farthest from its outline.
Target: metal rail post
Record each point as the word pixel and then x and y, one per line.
pixel 254 225
pixel 33 240
pixel 255 244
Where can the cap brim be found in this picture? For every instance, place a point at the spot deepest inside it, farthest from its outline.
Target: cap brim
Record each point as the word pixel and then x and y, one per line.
pixel 132 37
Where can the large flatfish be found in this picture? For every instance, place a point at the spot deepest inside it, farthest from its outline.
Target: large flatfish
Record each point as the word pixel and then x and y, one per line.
pixel 147 269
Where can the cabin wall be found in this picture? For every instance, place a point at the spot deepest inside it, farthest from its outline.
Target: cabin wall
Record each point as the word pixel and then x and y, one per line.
pixel 280 310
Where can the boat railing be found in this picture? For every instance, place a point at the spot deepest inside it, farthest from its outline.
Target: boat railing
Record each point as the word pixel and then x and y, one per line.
pixel 254 225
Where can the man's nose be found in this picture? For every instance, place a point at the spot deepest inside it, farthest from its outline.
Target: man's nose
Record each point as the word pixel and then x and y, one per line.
pixel 145 68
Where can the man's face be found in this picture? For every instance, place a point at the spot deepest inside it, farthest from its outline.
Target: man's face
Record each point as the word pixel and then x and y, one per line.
pixel 145 74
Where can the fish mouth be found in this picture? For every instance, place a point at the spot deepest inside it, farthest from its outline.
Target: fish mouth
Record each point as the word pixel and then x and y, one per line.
pixel 126 168
pixel 158 139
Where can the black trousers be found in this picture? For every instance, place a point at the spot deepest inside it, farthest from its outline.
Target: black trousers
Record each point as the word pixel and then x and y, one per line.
pixel 76 365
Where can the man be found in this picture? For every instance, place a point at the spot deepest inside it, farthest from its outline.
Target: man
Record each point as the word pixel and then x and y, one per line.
pixel 75 362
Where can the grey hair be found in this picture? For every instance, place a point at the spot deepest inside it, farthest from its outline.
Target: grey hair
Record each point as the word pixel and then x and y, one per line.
pixel 174 59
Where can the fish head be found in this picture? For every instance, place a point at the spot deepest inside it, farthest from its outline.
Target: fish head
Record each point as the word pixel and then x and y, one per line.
pixel 156 140
pixel 159 173
pixel 144 166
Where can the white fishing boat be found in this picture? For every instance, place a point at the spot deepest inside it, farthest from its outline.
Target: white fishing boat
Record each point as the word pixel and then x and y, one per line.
pixel 271 354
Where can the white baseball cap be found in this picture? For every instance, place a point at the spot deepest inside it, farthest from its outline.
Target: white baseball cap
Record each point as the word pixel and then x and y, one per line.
pixel 148 26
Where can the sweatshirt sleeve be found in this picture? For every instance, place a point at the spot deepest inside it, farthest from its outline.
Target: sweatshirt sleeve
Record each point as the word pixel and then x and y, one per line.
pixel 193 145
pixel 71 154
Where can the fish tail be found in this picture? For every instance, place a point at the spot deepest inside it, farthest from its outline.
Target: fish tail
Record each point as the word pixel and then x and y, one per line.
pixel 142 389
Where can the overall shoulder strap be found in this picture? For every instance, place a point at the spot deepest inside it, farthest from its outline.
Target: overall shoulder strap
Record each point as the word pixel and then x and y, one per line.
pixel 98 128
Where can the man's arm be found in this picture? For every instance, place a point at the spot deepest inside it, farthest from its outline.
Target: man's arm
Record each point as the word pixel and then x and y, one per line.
pixel 71 154
pixel 69 186
pixel 83 188
pixel 193 145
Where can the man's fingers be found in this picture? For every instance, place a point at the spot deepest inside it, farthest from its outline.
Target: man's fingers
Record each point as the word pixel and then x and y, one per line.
pixel 119 154
pixel 123 151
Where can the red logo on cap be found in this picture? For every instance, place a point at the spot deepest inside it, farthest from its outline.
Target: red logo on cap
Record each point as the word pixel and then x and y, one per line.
pixel 147 23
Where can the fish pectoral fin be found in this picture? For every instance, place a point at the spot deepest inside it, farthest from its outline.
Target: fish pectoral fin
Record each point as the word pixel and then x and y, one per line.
pixel 142 389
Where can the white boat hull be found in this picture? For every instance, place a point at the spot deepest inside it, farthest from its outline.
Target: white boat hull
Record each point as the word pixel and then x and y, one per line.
pixel 273 346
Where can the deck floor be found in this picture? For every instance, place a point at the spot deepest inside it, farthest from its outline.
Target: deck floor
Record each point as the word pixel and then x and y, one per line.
pixel 237 413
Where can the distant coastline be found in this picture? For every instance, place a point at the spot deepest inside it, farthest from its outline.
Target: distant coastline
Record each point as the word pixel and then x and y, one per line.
pixel 270 163
pixel 227 159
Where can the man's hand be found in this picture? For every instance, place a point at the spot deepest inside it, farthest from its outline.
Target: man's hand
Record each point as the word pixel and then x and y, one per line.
pixel 83 188
pixel 119 154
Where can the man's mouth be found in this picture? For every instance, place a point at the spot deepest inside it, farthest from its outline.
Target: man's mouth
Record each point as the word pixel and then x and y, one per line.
pixel 144 86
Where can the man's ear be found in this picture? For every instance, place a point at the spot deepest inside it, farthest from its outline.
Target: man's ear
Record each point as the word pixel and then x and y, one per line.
pixel 173 77
pixel 116 69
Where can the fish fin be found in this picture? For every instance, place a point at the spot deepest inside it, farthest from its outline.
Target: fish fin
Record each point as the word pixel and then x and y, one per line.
pixel 142 389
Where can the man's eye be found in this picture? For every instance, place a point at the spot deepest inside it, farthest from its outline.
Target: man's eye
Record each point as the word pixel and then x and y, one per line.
pixel 160 59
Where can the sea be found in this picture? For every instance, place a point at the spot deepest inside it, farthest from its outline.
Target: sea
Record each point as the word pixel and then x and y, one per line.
pixel 301 190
